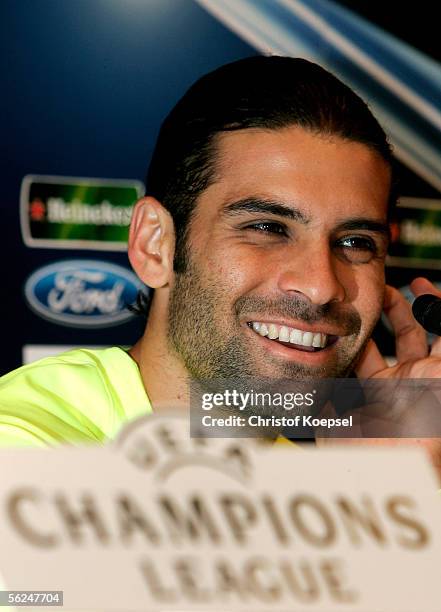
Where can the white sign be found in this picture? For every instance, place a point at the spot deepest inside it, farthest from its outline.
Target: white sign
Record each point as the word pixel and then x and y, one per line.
pixel 160 521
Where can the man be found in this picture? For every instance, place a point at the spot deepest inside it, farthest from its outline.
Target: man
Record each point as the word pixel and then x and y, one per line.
pixel 263 234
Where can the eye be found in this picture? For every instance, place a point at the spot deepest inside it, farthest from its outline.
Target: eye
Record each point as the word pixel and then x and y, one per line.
pixel 357 249
pixel 268 227
pixel 358 242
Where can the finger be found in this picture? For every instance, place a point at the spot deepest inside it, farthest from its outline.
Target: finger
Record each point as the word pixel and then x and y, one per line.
pixel 421 285
pixel 371 361
pixel 435 349
pixel 410 337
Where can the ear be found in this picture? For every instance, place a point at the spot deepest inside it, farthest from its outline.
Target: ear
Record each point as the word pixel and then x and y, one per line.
pixel 152 243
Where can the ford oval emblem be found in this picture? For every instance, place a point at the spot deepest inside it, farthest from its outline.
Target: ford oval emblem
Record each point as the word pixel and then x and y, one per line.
pixel 82 293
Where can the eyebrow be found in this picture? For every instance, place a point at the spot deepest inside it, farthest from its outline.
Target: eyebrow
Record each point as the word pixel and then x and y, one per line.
pixel 273 207
pixel 360 223
pixel 266 206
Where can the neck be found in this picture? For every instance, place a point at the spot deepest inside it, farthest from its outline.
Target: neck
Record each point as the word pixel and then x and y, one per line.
pixel 163 374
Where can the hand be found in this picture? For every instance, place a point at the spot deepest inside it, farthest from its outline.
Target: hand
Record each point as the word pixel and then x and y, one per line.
pixel 414 360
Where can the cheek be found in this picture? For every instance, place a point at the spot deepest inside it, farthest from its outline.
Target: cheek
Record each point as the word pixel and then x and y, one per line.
pixel 370 295
pixel 239 270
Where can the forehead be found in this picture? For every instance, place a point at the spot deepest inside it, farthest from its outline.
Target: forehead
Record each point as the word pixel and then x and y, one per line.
pixel 320 174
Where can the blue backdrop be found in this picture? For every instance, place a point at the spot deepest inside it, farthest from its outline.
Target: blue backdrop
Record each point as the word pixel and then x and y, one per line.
pixel 86 84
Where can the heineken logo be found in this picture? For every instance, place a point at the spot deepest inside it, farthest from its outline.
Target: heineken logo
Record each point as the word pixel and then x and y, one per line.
pixel 416 234
pixel 75 213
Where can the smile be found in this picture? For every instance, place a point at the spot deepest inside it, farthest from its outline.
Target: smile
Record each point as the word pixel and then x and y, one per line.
pixel 299 339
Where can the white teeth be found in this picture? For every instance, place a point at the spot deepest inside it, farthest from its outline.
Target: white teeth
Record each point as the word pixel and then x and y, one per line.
pixel 289 334
pixel 307 339
pixel 263 331
pixel 317 340
pixel 295 336
pixel 273 332
pixel 284 334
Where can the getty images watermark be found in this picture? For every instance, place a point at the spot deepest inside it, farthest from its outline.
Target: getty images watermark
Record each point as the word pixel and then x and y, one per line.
pixel 260 408
pixel 249 402
pixel 326 408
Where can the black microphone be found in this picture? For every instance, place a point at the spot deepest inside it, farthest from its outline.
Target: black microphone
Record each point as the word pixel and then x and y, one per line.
pixel 427 311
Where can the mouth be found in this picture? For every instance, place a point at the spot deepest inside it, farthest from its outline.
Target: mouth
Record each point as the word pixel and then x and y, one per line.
pixel 307 341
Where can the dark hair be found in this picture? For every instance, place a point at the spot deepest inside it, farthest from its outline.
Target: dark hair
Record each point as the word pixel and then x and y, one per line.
pixel 257 92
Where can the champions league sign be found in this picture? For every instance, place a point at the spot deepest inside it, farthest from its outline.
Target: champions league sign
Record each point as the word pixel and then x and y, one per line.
pixel 160 521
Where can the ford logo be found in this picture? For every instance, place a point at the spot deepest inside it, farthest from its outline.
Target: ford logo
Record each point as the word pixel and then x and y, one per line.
pixel 82 293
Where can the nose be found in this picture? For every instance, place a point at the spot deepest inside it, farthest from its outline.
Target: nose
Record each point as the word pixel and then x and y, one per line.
pixel 315 273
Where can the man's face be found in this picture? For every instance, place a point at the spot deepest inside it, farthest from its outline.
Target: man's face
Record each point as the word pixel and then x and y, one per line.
pixel 286 250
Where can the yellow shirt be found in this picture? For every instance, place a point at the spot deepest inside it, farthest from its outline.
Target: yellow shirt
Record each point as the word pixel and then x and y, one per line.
pixel 82 396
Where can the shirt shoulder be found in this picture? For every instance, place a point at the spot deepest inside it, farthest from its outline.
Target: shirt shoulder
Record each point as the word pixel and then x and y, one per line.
pixel 83 395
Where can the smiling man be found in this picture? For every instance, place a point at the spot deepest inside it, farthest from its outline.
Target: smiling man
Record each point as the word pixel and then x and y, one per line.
pixel 264 235
pixel 275 181
pixel 284 264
